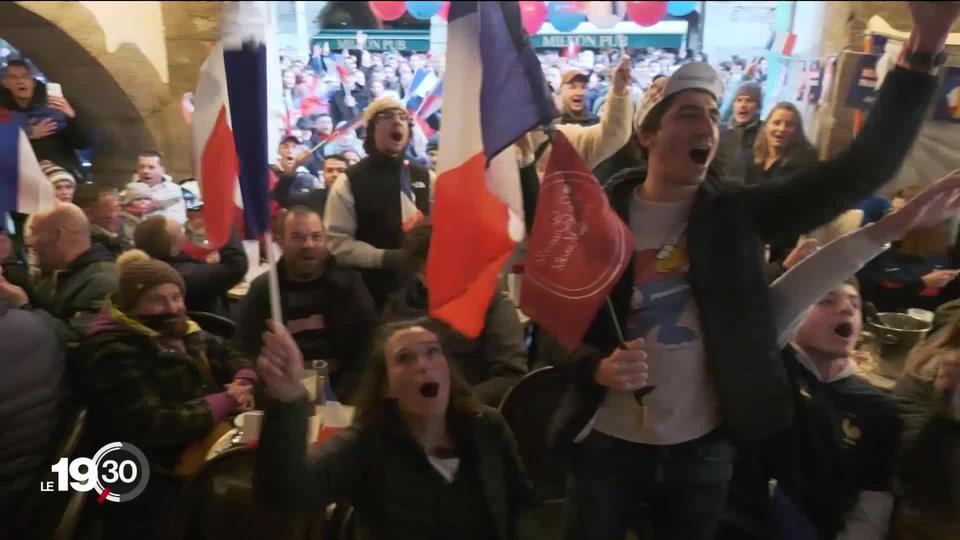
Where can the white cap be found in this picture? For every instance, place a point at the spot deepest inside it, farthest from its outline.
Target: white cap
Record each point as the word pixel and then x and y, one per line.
pixel 693 75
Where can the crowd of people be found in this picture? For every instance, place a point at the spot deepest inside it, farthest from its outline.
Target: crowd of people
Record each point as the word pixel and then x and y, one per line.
pixel 734 366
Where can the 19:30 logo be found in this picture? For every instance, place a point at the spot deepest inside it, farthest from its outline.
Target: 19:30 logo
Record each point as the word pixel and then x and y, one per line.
pixel 119 472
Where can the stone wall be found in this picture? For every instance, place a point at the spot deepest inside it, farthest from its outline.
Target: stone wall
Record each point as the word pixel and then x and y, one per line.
pixel 125 68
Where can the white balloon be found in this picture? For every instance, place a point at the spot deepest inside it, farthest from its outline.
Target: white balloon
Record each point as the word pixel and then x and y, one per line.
pixel 605 14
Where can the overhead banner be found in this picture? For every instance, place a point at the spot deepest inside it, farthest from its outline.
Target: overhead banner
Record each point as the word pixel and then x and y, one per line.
pixel 607 41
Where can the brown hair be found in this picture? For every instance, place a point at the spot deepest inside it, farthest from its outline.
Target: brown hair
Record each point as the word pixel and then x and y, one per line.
pixel 151 236
pixel 923 359
pixel 931 241
pixel 800 143
pixel 280 222
pixel 370 400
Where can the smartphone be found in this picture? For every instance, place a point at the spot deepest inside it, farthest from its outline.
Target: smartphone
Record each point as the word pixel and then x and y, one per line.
pixel 54 89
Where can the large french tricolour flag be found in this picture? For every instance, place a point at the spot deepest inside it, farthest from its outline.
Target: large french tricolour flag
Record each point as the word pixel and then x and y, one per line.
pixel 494 93
pixel 230 125
pixel 23 186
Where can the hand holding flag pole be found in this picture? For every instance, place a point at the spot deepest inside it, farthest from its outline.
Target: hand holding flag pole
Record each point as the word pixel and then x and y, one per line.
pixel 638 394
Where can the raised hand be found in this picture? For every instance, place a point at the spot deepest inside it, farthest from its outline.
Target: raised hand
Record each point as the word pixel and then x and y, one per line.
pixel 935 204
pixel 931 24
pixel 804 248
pixel 622 77
pixel 625 369
pixel 62 105
pixel 281 364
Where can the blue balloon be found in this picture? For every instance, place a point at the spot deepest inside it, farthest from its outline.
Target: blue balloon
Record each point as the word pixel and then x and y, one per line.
pixel 423 10
pixel 679 9
pixel 563 17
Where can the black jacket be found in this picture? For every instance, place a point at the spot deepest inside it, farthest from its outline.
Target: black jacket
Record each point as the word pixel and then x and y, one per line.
pixel 781 171
pixel 842 440
pixel 735 153
pixel 727 229
pixel 893 281
pixel 375 183
pixel 338 318
pixel 207 284
pixel 385 475
pixel 339 111
pixel 494 361
pixel 59 147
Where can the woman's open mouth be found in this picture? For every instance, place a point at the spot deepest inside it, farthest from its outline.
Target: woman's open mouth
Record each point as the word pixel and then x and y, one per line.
pixel 700 155
pixel 844 330
pixel 430 390
pixel 397 136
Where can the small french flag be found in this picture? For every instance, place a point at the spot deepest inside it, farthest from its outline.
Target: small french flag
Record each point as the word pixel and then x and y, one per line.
pixel 23 186
pixel 783 43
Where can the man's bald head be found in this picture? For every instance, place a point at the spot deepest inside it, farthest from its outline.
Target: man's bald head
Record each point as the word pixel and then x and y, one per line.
pixel 60 236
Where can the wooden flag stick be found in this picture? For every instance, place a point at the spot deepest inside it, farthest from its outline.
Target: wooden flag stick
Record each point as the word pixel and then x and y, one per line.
pixel 276 313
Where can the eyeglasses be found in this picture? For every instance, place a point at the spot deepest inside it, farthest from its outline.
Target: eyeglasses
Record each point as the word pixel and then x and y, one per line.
pixel 394 115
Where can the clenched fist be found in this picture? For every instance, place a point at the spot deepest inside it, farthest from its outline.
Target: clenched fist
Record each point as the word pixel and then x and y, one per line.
pixel 625 369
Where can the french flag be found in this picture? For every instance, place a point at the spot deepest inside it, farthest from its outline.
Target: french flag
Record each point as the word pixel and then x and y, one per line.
pixel 23 186
pixel 783 43
pixel 230 125
pixel 431 104
pixel 498 93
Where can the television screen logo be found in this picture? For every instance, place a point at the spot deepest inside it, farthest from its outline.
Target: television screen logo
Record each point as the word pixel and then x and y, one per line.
pixel 119 472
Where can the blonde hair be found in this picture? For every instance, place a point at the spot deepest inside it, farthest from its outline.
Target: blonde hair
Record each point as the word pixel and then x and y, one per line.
pixel 798 144
pixel 924 359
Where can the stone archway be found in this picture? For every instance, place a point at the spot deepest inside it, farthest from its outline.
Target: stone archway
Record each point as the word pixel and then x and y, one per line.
pixel 117 127
pixel 125 66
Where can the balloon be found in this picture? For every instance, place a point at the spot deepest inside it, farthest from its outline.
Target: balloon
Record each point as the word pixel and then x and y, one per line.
pixel 388 11
pixel 605 14
pixel 646 13
pixel 423 10
pixel 679 9
pixel 533 14
pixel 444 11
pixel 563 16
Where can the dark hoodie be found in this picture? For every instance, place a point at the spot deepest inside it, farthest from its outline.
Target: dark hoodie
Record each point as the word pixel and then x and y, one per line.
pixel 58 147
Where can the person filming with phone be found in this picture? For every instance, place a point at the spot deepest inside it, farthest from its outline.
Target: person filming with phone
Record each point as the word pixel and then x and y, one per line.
pixel 55 129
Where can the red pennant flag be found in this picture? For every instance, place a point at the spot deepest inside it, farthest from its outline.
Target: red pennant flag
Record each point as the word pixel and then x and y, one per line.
pixel 578 248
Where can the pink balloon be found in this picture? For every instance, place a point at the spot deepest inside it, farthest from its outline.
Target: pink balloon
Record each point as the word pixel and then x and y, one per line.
pixel 646 13
pixel 533 15
pixel 444 11
pixel 388 11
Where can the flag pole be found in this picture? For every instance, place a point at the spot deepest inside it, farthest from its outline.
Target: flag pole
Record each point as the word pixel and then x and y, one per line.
pixel 273 280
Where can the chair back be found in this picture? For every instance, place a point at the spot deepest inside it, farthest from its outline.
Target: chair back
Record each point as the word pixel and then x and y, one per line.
pixel 55 514
pixel 529 408
pixel 215 324
pixel 217 503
